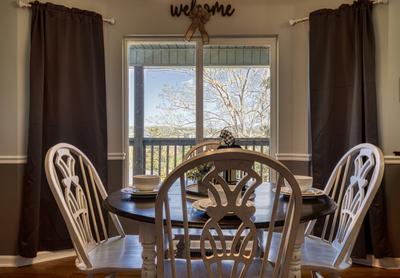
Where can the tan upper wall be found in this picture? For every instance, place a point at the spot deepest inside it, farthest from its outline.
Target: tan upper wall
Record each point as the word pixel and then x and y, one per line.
pixel 265 17
pixel 387 22
pixel 8 81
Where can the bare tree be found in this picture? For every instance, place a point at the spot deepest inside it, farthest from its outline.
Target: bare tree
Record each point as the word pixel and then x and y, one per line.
pixel 237 98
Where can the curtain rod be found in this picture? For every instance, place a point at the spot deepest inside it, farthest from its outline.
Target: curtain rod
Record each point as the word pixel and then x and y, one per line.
pixel 22 4
pixel 299 20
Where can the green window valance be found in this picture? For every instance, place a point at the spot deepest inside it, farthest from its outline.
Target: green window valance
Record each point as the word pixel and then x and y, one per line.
pixel 185 55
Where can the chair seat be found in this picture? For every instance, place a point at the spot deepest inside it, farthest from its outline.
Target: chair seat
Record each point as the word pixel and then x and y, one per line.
pixel 199 270
pixel 315 254
pixel 115 254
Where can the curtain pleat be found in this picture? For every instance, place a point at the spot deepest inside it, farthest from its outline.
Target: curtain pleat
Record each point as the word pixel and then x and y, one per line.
pixel 67 104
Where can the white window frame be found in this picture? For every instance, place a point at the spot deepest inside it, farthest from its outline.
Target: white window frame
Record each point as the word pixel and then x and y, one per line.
pixel 255 40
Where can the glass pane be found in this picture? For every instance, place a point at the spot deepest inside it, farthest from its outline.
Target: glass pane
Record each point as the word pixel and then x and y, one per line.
pixel 237 98
pixel 237 95
pixel 164 74
pixel 169 102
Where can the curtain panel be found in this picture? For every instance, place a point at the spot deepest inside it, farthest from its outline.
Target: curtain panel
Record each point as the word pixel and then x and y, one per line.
pixel 343 103
pixel 67 104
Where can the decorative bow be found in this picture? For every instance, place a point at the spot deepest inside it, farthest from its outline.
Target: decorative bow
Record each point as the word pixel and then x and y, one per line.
pixel 199 17
pixel 227 137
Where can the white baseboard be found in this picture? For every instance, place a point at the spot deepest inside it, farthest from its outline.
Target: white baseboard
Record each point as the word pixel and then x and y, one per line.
pixel 43 256
pixel 387 263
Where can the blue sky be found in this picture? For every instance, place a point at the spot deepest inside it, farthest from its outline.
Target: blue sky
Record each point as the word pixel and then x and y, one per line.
pixel 154 81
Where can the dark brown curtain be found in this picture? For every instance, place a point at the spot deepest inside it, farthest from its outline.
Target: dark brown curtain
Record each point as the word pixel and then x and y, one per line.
pixel 343 102
pixel 67 104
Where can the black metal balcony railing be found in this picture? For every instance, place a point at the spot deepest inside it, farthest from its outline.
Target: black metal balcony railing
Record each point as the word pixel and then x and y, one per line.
pixel 161 155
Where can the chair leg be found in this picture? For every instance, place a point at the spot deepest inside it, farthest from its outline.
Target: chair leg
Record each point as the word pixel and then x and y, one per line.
pixel 90 275
pixel 180 249
pixel 111 275
pixel 260 238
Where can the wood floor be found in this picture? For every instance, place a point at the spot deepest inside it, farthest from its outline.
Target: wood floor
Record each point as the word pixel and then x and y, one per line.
pixel 65 268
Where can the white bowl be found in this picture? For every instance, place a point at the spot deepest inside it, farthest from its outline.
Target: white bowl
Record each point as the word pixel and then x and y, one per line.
pixel 146 182
pixel 305 182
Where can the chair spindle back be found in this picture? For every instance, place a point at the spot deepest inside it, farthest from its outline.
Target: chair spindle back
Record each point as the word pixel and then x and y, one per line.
pixel 353 185
pixel 79 192
pixel 242 250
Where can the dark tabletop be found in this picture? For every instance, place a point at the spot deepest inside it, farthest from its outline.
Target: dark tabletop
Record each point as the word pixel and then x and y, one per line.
pixel 143 210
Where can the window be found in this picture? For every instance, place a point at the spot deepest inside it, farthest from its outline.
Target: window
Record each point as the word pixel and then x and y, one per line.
pixel 180 93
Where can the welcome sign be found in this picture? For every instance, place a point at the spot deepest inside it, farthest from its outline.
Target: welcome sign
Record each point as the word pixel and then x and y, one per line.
pixel 186 9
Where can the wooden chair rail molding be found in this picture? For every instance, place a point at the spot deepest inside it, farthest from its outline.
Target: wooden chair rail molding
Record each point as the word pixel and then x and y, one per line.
pixel 389 159
pixel 393 159
pixel 21 159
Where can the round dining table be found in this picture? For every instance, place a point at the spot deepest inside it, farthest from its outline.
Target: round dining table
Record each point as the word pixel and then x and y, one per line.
pixel 143 211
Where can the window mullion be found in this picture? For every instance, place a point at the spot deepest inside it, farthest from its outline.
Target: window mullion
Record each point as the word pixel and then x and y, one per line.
pixel 199 91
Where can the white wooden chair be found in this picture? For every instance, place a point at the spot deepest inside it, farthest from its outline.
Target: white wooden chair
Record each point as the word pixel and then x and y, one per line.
pixel 228 261
pixel 353 184
pixel 76 187
pixel 209 145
